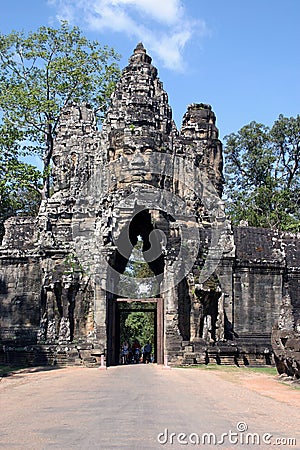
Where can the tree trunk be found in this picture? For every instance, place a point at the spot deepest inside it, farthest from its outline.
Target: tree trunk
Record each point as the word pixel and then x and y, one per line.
pixel 47 161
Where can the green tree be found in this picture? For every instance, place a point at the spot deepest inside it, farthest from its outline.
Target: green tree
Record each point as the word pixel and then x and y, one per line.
pixel 262 174
pixel 135 323
pixel 140 326
pixel 39 74
pixel 20 183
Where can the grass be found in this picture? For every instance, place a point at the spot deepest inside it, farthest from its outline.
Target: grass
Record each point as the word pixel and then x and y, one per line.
pixel 220 367
pixel 267 370
pixel 213 367
pixel 8 370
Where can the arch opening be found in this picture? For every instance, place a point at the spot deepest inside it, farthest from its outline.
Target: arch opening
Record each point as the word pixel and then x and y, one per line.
pixel 135 312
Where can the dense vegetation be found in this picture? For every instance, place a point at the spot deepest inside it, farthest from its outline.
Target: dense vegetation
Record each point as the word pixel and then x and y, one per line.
pixel 39 74
pixel 262 174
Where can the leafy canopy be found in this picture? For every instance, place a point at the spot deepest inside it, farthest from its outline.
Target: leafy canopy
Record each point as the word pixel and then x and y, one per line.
pixel 42 72
pixel 39 74
pixel 262 174
pixel 19 181
pixel 137 325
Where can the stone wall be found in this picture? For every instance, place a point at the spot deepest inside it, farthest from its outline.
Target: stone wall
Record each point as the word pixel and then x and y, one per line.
pixel 20 292
pixel 141 177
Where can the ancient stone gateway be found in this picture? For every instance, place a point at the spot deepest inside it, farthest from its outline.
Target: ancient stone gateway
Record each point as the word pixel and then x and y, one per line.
pixel 218 289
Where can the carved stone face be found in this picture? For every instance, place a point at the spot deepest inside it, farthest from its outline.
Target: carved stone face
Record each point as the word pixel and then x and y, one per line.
pixel 128 151
pixel 134 166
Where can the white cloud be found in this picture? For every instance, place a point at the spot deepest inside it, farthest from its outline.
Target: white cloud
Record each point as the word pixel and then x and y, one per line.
pixel 166 11
pixel 162 25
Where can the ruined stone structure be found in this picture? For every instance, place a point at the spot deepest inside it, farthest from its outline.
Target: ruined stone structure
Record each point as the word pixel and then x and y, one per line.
pixel 219 289
pixel 286 341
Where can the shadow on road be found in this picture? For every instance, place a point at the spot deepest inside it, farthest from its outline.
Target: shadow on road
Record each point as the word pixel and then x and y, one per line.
pixel 8 371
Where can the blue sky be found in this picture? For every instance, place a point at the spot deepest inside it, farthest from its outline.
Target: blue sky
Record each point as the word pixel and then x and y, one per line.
pixel 240 56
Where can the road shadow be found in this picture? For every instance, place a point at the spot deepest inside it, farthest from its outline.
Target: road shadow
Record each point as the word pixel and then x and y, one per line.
pixel 9 371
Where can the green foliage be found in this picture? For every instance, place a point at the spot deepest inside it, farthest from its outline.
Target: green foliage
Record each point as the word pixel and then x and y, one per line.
pixel 72 264
pixel 39 74
pixel 136 323
pixel 42 72
pixel 262 174
pixel 140 326
pixel 20 183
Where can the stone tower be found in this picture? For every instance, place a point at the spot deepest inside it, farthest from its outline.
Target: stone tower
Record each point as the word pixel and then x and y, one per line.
pixel 139 179
pixel 114 186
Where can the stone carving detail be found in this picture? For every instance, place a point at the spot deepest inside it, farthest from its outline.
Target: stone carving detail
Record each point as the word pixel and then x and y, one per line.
pixel 286 318
pixel 209 311
pixel 52 295
pixel 286 340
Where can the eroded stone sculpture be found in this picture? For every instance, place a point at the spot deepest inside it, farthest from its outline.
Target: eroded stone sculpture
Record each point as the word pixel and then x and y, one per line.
pixel 220 287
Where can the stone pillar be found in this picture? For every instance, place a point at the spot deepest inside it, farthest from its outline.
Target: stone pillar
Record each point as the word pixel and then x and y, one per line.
pixel 173 339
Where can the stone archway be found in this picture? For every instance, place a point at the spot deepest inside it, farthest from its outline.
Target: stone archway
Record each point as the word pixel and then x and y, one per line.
pixel 141 225
pixel 114 325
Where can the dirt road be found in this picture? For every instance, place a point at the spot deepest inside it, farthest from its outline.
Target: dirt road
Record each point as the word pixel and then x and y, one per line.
pixel 146 407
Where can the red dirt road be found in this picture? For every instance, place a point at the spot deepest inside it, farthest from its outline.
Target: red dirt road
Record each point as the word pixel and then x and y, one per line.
pixel 139 407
